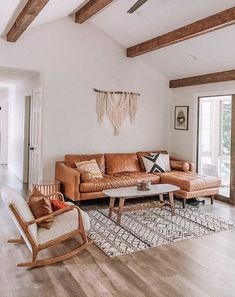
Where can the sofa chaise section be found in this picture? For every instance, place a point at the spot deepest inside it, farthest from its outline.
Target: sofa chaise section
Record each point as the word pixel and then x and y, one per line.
pixel 192 185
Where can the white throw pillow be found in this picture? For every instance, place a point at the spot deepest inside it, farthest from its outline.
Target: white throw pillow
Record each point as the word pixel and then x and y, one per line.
pixel 154 163
pixel 165 159
pixel 90 166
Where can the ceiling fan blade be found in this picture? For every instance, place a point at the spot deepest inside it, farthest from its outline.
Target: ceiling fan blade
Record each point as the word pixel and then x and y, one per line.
pixel 136 6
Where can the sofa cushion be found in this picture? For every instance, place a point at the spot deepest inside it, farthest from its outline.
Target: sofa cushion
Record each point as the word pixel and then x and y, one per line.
pixel 116 163
pixel 118 181
pixel 71 159
pixel 189 181
pixel 147 153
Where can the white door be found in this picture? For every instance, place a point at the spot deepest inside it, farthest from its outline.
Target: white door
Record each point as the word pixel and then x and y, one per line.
pixel 35 168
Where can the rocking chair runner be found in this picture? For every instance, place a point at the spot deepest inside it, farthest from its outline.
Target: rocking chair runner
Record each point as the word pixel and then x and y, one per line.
pixel 68 222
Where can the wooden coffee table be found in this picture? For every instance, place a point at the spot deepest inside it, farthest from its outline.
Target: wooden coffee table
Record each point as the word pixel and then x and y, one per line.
pixel 131 192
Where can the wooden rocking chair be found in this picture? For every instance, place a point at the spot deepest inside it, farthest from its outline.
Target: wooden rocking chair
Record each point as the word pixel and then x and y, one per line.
pixel 68 222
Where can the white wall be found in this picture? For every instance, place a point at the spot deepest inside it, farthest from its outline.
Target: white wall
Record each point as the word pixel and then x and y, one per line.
pixel 4 95
pixel 4 92
pixel 184 143
pixel 73 59
pixel 16 124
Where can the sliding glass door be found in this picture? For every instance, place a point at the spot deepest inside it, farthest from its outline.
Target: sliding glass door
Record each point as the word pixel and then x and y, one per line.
pixel 215 140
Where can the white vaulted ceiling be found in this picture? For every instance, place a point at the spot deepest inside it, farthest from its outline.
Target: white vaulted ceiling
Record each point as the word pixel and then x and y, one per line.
pixel 154 18
pixel 54 9
pixel 211 52
pixel 207 53
pixel 7 10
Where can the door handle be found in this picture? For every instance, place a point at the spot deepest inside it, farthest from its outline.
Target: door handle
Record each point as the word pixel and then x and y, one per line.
pixel 31 148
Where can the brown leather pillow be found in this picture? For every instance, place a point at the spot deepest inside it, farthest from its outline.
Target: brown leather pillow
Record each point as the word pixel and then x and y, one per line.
pixel 180 165
pixel 40 206
pixel 86 176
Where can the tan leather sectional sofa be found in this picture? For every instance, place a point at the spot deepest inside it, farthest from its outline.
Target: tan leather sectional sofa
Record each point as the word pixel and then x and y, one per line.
pixel 125 169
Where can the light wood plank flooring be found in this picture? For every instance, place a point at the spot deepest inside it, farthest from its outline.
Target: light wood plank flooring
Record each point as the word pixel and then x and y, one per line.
pixel 198 267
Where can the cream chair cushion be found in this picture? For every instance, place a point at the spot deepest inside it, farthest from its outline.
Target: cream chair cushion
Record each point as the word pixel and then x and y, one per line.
pixel 9 196
pixel 63 224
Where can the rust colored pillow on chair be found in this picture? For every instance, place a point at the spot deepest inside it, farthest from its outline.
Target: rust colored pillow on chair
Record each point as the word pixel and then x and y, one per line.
pixel 40 206
pixel 57 204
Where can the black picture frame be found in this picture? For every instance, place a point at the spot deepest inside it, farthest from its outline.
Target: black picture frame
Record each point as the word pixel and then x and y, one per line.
pixel 181 118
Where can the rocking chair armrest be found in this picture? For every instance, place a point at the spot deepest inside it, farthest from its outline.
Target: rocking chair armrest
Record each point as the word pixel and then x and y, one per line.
pixel 53 214
pixel 80 218
pixel 61 196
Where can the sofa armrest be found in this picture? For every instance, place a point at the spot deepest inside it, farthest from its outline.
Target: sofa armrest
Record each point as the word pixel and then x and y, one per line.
pixel 192 167
pixel 70 180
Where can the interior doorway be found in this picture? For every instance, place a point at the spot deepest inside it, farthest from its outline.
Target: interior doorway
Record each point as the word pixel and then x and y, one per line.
pixel 32 137
pixel 27 110
pixel 35 148
pixel 214 139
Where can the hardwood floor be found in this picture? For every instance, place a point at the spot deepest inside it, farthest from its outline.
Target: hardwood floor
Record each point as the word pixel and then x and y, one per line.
pixel 198 267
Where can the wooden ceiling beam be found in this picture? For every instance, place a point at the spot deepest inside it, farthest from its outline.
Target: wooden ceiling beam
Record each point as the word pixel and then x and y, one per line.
pixel 89 9
pixel 25 18
pixel 203 79
pixel 203 26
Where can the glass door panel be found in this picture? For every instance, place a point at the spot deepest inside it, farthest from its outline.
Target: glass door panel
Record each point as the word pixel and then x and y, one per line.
pixel 214 143
pixel 205 147
pixel 225 144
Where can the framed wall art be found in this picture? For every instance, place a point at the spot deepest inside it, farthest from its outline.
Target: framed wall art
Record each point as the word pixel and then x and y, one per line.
pixel 181 117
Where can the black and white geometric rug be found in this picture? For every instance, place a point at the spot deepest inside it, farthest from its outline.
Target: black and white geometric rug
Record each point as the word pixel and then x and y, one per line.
pixel 147 228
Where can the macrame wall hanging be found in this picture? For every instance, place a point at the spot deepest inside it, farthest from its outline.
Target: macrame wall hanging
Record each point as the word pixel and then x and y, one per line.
pixel 117 106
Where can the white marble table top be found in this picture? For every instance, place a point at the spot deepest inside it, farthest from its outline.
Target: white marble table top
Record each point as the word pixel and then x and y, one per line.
pixel 132 192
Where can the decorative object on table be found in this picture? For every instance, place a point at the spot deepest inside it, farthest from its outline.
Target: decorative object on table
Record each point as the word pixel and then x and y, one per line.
pixel 181 117
pixel 143 185
pixel 47 187
pixel 117 106
pixel 146 228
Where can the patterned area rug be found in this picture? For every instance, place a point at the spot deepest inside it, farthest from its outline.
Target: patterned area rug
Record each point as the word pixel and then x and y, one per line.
pixel 147 228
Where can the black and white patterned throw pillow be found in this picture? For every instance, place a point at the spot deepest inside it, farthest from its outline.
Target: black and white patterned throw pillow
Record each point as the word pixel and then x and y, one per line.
pixel 153 163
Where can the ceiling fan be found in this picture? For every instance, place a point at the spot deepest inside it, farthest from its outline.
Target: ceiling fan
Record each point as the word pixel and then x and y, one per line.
pixel 136 6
